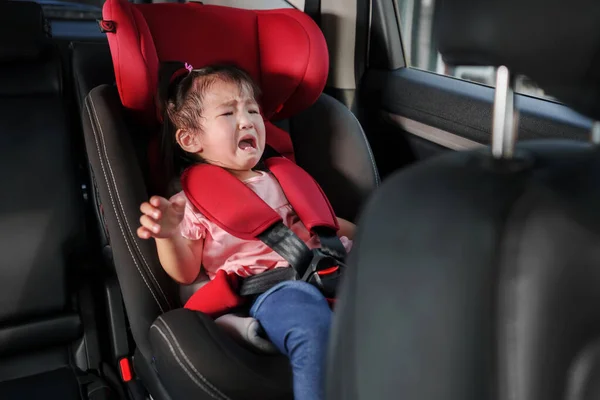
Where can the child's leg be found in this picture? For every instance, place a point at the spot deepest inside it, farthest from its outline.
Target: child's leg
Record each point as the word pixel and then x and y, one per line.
pixel 297 319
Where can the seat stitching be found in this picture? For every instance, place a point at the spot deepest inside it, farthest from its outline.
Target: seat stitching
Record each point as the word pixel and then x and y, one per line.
pixel 191 365
pixel 123 209
pixel 192 377
pixel 113 203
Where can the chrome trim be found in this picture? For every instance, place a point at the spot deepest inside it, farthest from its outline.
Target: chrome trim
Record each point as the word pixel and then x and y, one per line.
pixel 432 134
pixel 596 132
pixel 503 127
pixel 368 52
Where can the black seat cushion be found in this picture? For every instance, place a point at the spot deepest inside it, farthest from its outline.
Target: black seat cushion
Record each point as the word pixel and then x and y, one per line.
pixel 58 384
pixel 24 33
pixel 471 278
pixel 41 206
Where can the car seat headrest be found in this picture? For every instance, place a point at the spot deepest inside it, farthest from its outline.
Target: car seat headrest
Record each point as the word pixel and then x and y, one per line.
pixel 24 34
pixel 283 50
pixel 553 42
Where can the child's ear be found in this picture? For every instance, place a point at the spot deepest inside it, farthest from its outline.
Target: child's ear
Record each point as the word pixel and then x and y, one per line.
pixel 188 141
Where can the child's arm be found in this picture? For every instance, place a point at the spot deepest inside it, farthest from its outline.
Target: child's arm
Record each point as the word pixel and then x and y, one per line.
pixel 180 257
pixel 347 228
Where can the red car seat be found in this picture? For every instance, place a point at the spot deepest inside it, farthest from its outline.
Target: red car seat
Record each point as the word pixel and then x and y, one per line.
pixel 180 353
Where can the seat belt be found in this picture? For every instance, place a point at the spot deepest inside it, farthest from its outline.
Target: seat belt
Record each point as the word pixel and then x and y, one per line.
pixel 313 9
pixel 330 242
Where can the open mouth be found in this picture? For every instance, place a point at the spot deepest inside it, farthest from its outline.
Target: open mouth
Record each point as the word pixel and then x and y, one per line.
pixel 247 143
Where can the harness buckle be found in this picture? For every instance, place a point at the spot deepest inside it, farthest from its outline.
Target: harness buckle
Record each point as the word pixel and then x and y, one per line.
pixel 324 272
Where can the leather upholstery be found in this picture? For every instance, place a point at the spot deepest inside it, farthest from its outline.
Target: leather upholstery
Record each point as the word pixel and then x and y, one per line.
pixel 471 279
pixel 476 278
pixel 60 329
pixel 26 40
pixel 16 77
pixel 92 66
pixel 147 289
pixel 38 231
pixel 336 154
pixel 234 371
pixel 61 383
pixel 41 218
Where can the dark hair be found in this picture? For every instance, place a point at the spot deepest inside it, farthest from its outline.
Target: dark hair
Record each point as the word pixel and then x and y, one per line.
pixel 180 95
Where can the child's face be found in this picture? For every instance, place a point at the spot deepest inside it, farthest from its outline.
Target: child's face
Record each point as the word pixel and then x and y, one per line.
pixel 233 131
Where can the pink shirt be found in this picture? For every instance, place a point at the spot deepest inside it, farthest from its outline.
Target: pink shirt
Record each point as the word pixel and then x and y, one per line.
pixel 245 257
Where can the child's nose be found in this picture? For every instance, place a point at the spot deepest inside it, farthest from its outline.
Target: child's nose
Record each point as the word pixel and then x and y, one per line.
pixel 245 122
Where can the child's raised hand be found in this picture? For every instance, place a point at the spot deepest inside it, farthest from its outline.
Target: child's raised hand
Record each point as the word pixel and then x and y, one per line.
pixel 160 217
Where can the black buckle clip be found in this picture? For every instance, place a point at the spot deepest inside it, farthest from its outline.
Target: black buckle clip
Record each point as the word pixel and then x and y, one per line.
pixel 324 272
pixel 106 26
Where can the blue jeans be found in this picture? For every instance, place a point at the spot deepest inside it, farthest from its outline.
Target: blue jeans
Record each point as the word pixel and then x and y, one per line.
pixel 297 318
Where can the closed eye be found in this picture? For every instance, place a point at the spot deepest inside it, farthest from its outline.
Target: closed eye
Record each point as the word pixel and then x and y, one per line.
pixel 227 113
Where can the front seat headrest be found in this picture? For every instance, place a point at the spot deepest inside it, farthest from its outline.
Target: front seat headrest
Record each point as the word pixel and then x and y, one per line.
pixel 24 34
pixel 554 42
pixel 283 50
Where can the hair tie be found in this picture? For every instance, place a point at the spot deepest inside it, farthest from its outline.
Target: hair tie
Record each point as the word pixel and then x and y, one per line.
pixel 189 67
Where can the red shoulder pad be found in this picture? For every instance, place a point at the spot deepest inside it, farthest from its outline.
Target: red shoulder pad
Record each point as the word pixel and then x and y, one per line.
pixel 226 201
pixel 304 194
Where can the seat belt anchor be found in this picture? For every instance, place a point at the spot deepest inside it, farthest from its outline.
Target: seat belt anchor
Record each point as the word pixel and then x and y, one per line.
pixel 324 272
pixel 125 369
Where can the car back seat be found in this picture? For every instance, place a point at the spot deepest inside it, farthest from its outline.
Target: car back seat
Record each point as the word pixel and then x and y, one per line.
pixel 45 344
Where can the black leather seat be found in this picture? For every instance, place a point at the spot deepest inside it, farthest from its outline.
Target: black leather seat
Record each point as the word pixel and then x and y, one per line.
pixel 45 342
pixel 477 277
pixel 92 66
pixel 179 353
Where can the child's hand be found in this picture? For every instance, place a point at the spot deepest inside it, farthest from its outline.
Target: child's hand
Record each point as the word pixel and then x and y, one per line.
pixel 161 217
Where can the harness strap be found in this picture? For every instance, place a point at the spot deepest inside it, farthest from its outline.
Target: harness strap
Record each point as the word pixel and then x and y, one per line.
pixel 227 202
pixel 331 244
pixel 288 245
pixel 260 283
pixel 238 210
pixel 304 194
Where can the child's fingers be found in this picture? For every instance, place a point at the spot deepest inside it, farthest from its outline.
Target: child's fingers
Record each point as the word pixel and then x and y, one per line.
pixel 178 204
pixel 151 211
pixel 144 233
pixel 159 202
pixel 149 224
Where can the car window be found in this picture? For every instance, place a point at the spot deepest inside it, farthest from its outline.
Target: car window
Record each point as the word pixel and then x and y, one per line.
pixel 416 17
